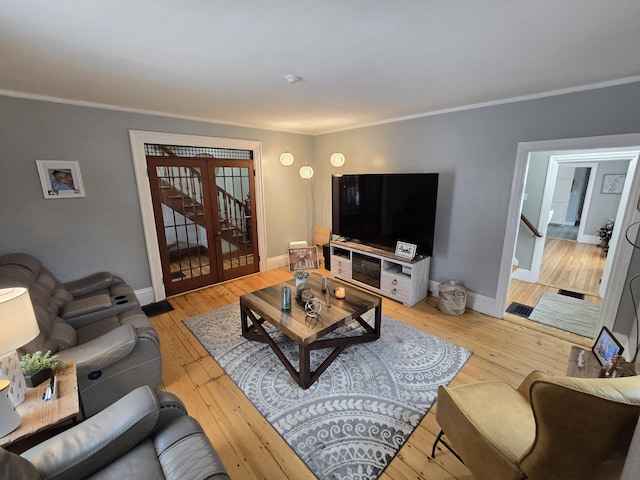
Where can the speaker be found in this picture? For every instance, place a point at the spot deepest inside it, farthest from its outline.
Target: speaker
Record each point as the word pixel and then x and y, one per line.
pixel 326 253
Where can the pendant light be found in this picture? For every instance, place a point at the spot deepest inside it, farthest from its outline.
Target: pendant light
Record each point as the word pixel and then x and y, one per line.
pixel 337 159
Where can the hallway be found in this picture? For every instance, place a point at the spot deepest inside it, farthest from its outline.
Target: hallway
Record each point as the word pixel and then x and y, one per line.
pixel 567 265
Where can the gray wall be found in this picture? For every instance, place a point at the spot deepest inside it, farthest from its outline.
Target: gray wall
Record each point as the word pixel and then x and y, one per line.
pixel 103 231
pixel 474 151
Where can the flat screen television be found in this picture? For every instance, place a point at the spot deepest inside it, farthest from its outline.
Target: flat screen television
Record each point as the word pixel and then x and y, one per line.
pixel 380 209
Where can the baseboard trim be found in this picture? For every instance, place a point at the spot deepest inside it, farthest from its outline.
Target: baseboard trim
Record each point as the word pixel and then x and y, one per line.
pixel 145 296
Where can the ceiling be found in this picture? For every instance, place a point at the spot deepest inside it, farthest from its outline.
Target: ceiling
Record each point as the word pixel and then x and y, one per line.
pixel 361 62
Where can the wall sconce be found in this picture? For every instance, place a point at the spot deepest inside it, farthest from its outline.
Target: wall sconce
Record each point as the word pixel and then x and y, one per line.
pixel 337 159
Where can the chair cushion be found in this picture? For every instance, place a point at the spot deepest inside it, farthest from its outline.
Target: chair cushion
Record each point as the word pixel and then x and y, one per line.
pixel 490 424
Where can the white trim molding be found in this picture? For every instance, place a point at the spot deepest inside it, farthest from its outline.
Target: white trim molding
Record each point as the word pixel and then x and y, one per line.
pixel 138 140
pixel 620 261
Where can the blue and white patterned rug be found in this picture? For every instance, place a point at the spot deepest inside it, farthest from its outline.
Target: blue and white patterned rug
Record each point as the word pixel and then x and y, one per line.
pixel 352 421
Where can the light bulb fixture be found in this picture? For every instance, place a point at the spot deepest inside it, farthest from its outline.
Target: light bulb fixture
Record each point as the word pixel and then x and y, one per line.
pixel 292 78
pixel 306 171
pixel 287 159
pixel 337 159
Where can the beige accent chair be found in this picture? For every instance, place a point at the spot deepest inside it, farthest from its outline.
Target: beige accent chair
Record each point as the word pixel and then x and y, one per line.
pixel 548 428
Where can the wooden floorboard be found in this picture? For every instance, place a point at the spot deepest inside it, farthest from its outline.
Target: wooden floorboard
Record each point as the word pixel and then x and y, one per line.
pixel 251 449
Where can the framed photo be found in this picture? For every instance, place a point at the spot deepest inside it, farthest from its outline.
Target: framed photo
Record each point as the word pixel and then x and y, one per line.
pixel 613 183
pixel 60 179
pixel 303 258
pixel 606 346
pixel 406 250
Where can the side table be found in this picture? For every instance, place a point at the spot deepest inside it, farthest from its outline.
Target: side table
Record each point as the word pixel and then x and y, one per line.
pixel 37 415
pixel 591 368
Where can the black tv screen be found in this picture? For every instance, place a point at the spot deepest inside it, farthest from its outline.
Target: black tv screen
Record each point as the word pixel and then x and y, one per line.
pixel 380 209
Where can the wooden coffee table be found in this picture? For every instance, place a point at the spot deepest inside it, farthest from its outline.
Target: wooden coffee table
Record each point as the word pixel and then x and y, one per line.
pixel 264 306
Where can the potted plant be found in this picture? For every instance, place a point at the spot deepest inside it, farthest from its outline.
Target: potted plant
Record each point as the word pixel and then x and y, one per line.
pixel 36 367
pixel 301 277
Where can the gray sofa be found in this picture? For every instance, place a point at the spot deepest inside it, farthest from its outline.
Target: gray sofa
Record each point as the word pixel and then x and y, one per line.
pixel 96 321
pixel 143 436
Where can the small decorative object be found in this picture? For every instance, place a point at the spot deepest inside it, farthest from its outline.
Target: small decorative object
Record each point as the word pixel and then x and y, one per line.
pixel 60 179
pixel 36 367
pixel 312 308
pixel 300 277
pixel 286 298
pixel 303 258
pixel 406 250
pixel 340 292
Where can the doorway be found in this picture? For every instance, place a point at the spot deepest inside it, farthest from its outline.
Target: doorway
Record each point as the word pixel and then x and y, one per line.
pixel 139 139
pixel 203 214
pixel 618 263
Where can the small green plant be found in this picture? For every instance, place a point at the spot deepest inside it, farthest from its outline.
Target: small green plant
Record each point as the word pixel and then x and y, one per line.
pixel 301 275
pixel 34 362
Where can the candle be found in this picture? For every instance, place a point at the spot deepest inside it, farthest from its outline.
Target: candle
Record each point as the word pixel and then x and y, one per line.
pixel 340 292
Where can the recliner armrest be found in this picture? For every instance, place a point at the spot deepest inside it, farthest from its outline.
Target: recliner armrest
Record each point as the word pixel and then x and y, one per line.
pixel 92 283
pixel 89 446
pixel 102 351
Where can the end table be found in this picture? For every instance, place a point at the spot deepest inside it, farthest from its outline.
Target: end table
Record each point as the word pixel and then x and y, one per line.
pixel 37 415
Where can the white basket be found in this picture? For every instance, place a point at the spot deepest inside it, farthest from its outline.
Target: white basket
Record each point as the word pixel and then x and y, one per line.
pixel 452 298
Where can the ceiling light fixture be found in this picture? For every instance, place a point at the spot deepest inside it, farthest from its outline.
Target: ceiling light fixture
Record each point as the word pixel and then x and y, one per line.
pixel 292 78
pixel 337 159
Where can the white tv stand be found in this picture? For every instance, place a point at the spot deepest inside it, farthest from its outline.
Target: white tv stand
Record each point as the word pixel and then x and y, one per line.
pixel 380 271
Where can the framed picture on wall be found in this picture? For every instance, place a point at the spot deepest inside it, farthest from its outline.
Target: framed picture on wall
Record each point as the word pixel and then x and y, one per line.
pixel 60 179
pixel 613 183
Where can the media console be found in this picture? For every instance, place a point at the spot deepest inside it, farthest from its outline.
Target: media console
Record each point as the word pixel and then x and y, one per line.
pixel 380 271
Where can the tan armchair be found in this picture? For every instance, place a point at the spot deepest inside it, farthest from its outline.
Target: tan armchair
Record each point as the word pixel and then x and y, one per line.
pixel 549 428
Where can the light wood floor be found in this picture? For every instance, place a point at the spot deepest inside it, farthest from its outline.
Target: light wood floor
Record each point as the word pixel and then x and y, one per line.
pixel 251 449
pixel 568 265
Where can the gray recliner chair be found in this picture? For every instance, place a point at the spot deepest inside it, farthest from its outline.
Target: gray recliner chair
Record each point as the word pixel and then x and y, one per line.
pixel 143 435
pixel 96 321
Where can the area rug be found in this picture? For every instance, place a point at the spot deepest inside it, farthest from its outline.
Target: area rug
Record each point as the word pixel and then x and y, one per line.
pixel 352 421
pixel 568 314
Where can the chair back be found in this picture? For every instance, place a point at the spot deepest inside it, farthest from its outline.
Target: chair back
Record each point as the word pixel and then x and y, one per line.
pixel 584 427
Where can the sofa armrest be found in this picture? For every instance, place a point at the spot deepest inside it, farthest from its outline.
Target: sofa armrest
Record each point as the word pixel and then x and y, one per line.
pixel 102 351
pixel 184 438
pixel 89 446
pixel 92 283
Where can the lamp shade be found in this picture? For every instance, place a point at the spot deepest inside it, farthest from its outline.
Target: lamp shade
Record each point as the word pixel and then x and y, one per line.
pixel 286 159
pixel 306 171
pixel 17 319
pixel 337 159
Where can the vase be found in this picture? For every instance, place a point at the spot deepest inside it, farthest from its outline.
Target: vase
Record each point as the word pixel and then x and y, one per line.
pixel 36 378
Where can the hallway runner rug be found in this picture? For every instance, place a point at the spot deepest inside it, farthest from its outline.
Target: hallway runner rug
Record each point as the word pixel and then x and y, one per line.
pixel 568 314
pixel 350 423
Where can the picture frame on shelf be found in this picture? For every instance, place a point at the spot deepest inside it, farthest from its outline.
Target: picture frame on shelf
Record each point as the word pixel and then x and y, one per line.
pixel 60 179
pixel 406 250
pixel 613 183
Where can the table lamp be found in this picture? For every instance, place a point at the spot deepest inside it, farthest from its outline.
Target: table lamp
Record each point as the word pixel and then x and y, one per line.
pixel 18 326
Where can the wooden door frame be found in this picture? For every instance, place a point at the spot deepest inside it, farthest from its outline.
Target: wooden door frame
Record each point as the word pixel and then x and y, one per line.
pixel 138 139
